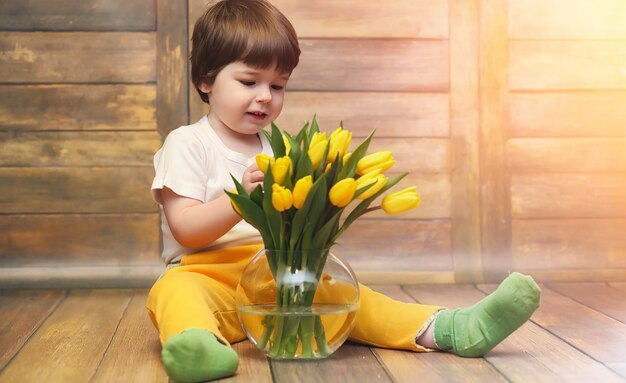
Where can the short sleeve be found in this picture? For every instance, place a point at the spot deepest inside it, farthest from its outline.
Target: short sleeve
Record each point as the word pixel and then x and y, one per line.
pixel 180 165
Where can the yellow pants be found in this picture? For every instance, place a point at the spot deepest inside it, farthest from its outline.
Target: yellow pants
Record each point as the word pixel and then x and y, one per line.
pixel 200 293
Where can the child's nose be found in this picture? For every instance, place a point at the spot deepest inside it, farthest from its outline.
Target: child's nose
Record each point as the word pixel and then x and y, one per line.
pixel 264 95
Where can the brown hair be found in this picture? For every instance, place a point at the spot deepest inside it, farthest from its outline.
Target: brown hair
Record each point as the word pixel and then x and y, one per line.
pixel 252 31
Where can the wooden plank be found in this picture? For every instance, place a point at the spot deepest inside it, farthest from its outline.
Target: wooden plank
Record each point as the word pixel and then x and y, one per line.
pixel 493 93
pixel 76 190
pixel 100 239
pixel 391 114
pixel 53 107
pixel 352 362
pixel 597 335
pixel 134 354
pixel 81 277
pixel 253 366
pixel 397 245
pixel 568 195
pixel 575 155
pixel 576 275
pixel 60 57
pixel 603 19
pixel 416 155
pixel 531 354
pixel 404 277
pixel 596 295
pixel 70 344
pixel 172 66
pixel 569 244
pixel 571 114
pixel 567 65
pixel 67 15
pixel 34 149
pixel 464 120
pixel 358 18
pixel 372 65
pixel 438 366
pixel 21 314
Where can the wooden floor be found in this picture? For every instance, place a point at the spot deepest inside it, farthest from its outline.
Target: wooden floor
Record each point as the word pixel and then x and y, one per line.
pixel 578 334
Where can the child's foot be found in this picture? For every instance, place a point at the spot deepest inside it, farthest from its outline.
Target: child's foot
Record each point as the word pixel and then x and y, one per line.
pixel 474 331
pixel 196 355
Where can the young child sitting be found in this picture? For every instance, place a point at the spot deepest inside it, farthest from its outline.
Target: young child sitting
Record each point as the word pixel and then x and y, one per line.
pixel 243 53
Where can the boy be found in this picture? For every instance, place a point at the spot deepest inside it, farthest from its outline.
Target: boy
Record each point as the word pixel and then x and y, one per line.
pixel 243 52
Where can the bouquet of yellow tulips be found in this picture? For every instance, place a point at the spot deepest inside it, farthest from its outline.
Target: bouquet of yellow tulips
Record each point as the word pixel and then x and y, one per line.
pixel 299 210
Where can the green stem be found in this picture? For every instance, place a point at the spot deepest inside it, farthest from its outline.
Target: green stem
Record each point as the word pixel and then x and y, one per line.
pixel 320 337
pixel 268 329
pixel 279 319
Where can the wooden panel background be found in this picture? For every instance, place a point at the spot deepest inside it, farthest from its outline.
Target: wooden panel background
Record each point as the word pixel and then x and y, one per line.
pixel 510 116
pixel 566 147
pixel 81 90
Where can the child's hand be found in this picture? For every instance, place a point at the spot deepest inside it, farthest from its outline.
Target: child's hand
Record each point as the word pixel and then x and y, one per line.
pixel 252 177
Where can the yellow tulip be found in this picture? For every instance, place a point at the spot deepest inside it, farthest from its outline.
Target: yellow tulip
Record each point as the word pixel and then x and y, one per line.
pixel 263 161
pixel 287 145
pixel 342 193
pixel 339 142
pixel 317 148
pixel 282 198
pixel 374 180
pixel 301 190
pixel 401 201
pixel 317 138
pixel 281 168
pixel 382 160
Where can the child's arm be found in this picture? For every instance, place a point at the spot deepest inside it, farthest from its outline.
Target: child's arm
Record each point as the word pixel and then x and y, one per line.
pixel 195 224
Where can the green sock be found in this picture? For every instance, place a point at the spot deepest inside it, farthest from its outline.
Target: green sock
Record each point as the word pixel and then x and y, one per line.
pixel 196 355
pixel 474 331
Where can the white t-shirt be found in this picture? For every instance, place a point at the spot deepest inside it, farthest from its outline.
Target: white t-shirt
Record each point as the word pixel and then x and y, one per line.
pixel 195 163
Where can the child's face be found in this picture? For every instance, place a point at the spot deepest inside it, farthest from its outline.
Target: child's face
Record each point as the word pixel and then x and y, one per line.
pixel 244 99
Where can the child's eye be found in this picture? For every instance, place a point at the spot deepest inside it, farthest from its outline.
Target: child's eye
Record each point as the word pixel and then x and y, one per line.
pixel 247 83
pixel 278 87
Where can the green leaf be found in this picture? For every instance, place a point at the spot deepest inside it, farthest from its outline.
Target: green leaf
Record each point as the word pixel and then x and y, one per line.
pixel 267 135
pixel 302 134
pixel 251 213
pixel 324 234
pixel 314 127
pixel 271 215
pixel 295 148
pixel 278 145
pixel 304 166
pixel 240 189
pixel 257 195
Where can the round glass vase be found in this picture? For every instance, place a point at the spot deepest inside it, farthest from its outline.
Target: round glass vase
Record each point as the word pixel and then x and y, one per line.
pixel 297 304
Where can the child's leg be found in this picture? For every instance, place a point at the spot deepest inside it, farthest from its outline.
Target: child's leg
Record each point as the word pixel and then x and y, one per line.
pixel 475 330
pixel 469 332
pixel 385 322
pixel 186 308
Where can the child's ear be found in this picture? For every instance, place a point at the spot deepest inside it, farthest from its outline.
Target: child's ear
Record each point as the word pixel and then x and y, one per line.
pixel 204 87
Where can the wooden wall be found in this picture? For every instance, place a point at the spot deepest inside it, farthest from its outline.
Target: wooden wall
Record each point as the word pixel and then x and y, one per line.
pixel 566 137
pixel 510 116
pixel 80 97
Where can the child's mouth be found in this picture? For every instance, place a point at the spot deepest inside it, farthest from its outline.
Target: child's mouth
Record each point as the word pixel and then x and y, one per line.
pixel 257 115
